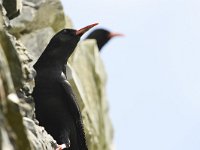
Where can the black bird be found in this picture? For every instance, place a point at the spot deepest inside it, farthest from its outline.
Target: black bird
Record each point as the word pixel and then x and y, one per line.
pixel 55 104
pixel 102 36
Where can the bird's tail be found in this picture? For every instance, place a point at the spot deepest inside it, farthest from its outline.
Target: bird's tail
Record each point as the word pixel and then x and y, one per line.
pixel 81 135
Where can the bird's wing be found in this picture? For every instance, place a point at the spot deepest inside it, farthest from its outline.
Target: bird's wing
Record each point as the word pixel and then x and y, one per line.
pixel 74 108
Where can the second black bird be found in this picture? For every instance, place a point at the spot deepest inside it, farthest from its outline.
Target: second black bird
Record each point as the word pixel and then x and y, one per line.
pixel 55 103
pixel 102 36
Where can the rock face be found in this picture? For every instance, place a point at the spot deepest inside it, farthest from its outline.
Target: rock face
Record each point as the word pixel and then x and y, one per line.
pixel 24 33
pixel 88 79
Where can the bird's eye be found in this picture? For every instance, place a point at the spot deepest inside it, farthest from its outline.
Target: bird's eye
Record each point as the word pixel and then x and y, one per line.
pixel 68 32
pixel 65 31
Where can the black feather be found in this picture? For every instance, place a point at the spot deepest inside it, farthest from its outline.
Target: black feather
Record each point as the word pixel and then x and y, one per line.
pixel 55 103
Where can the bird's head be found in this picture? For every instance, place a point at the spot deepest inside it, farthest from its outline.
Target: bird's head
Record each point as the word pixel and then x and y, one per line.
pixel 102 36
pixel 61 46
pixel 65 41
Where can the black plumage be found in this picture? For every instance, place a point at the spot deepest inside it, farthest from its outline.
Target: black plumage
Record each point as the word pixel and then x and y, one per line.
pixel 102 36
pixel 55 104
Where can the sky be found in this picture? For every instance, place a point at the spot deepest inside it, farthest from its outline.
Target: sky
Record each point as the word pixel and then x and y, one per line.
pixel 153 72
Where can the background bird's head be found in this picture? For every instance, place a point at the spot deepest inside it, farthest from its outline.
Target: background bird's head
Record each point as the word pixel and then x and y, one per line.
pixel 60 47
pixel 102 36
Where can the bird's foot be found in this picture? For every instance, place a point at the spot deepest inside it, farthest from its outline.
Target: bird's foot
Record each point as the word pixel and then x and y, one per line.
pixel 62 146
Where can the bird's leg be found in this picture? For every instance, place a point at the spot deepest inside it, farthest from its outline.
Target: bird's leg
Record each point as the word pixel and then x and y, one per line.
pixel 62 146
pixel 64 138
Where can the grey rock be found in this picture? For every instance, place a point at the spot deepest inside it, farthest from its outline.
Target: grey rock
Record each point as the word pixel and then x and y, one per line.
pixel 33 3
pixel 13 133
pixel 6 143
pixel 36 41
pixel 49 13
pixel 40 139
pixel 88 82
pixel 8 46
pixel 19 24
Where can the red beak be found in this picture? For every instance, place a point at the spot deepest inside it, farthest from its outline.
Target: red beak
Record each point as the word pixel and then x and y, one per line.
pixel 112 34
pixel 81 31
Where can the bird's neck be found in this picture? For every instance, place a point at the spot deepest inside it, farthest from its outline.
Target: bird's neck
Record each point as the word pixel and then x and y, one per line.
pixel 51 65
pixel 49 71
